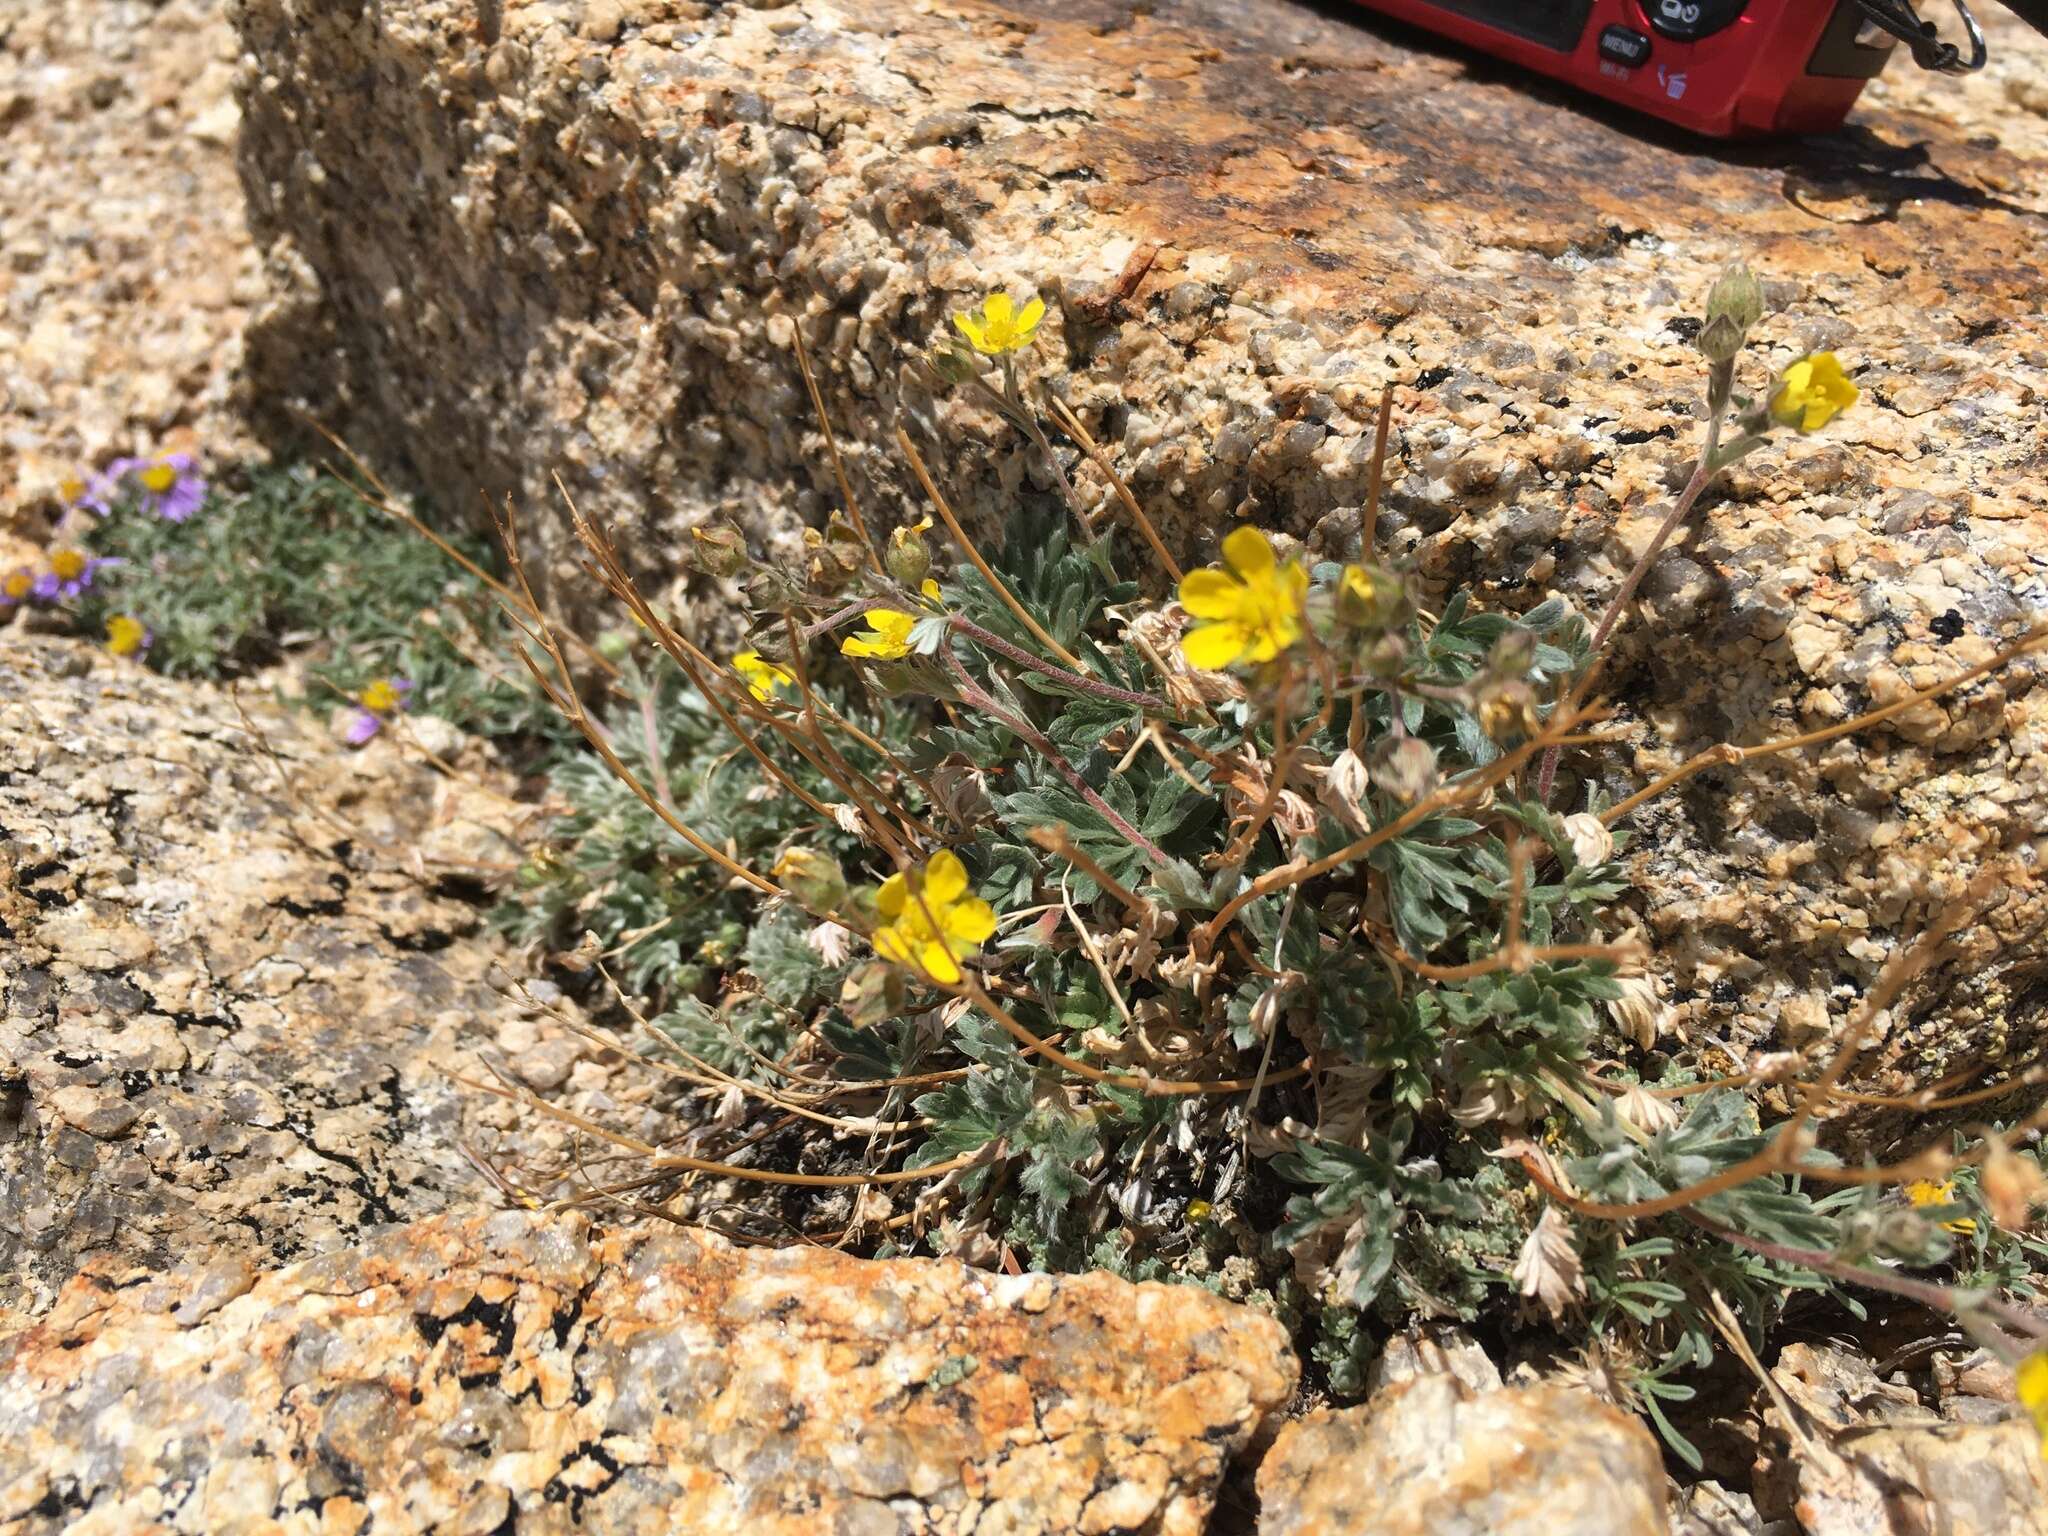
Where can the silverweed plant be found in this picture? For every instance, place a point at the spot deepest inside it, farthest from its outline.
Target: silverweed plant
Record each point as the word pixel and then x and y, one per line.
pixel 1235 934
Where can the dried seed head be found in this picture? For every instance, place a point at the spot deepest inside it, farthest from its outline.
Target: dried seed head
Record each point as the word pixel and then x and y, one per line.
pixel 718 549
pixel 1641 1013
pixel 1645 1110
pixel 2013 1186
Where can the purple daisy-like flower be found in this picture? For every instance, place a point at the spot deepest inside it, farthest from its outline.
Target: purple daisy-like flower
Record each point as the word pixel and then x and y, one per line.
pixel 45 588
pixel 376 704
pixel 71 572
pixel 171 487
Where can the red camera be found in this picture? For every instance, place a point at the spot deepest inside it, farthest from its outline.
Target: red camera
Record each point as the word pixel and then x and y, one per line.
pixel 1721 67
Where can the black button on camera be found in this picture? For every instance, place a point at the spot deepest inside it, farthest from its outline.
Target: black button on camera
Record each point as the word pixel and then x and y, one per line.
pixel 1690 20
pixel 1624 45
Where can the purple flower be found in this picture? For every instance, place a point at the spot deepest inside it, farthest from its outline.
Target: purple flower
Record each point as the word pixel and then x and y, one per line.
pixel 171 488
pixel 45 588
pixel 385 697
pixel 71 572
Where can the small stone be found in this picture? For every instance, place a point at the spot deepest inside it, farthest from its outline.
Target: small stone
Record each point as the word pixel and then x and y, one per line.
pixel 1430 1456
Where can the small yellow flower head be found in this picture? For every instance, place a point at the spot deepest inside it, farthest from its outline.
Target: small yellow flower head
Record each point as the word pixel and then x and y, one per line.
pixel 16 586
pixel 933 924
pixel 71 490
pixel 1000 326
pixel 158 478
pixel 2031 1378
pixel 888 636
pixel 126 635
pixel 762 677
pixel 1812 392
pixel 1925 1192
pixel 1252 609
pixel 382 696
pixel 68 564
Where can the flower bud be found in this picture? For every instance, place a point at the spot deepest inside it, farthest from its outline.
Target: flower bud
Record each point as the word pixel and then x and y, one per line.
pixel 908 558
pixel 813 878
pixel 1406 768
pixel 1734 305
pixel 719 549
pixel 953 363
pixel 1370 598
pixel 1508 709
pixel 1513 654
pixel 1591 842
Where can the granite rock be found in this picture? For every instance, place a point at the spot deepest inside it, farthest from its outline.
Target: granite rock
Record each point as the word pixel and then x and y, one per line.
pixel 129 271
pixel 1864 1456
pixel 1432 1456
pixel 510 241
pixel 242 968
pixel 479 1373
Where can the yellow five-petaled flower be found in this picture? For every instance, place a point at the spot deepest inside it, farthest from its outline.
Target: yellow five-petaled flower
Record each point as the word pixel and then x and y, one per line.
pixel 1000 326
pixel 1812 392
pixel 1923 1192
pixel 1252 610
pixel 762 676
pixel 933 924
pixel 888 636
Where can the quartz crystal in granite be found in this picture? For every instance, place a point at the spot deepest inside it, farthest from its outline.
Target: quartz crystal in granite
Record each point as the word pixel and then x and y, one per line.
pixel 492 1372
pixel 514 240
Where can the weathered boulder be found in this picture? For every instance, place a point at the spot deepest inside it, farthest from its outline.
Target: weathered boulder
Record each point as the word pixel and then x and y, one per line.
pixel 511 241
pixel 1431 1455
pixel 481 1373
pixel 231 991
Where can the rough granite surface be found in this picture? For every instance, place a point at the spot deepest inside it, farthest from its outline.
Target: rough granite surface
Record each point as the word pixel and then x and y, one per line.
pixel 230 1008
pixel 513 240
pixel 128 271
pixel 1433 1456
pixel 492 1372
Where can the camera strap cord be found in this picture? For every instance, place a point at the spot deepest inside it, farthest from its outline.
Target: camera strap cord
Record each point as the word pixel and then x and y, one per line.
pixel 1929 51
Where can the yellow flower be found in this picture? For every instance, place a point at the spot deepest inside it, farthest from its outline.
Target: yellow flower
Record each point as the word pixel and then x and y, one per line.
pixel 381 697
pixel 15 586
pixel 2031 1378
pixel 762 677
pixel 70 489
pixel 1812 392
pixel 125 635
pixel 1924 1192
pixel 68 564
pixel 158 478
pixel 888 636
pixel 1000 326
pixel 933 923
pixel 1253 608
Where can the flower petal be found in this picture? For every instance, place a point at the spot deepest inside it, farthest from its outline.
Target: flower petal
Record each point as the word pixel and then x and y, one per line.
pixel 893 896
pixel 1248 551
pixel 945 879
pixel 1211 594
pixel 1214 646
pixel 998 312
pixel 971 921
pixel 937 962
pixel 1029 316
pixel 971 328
